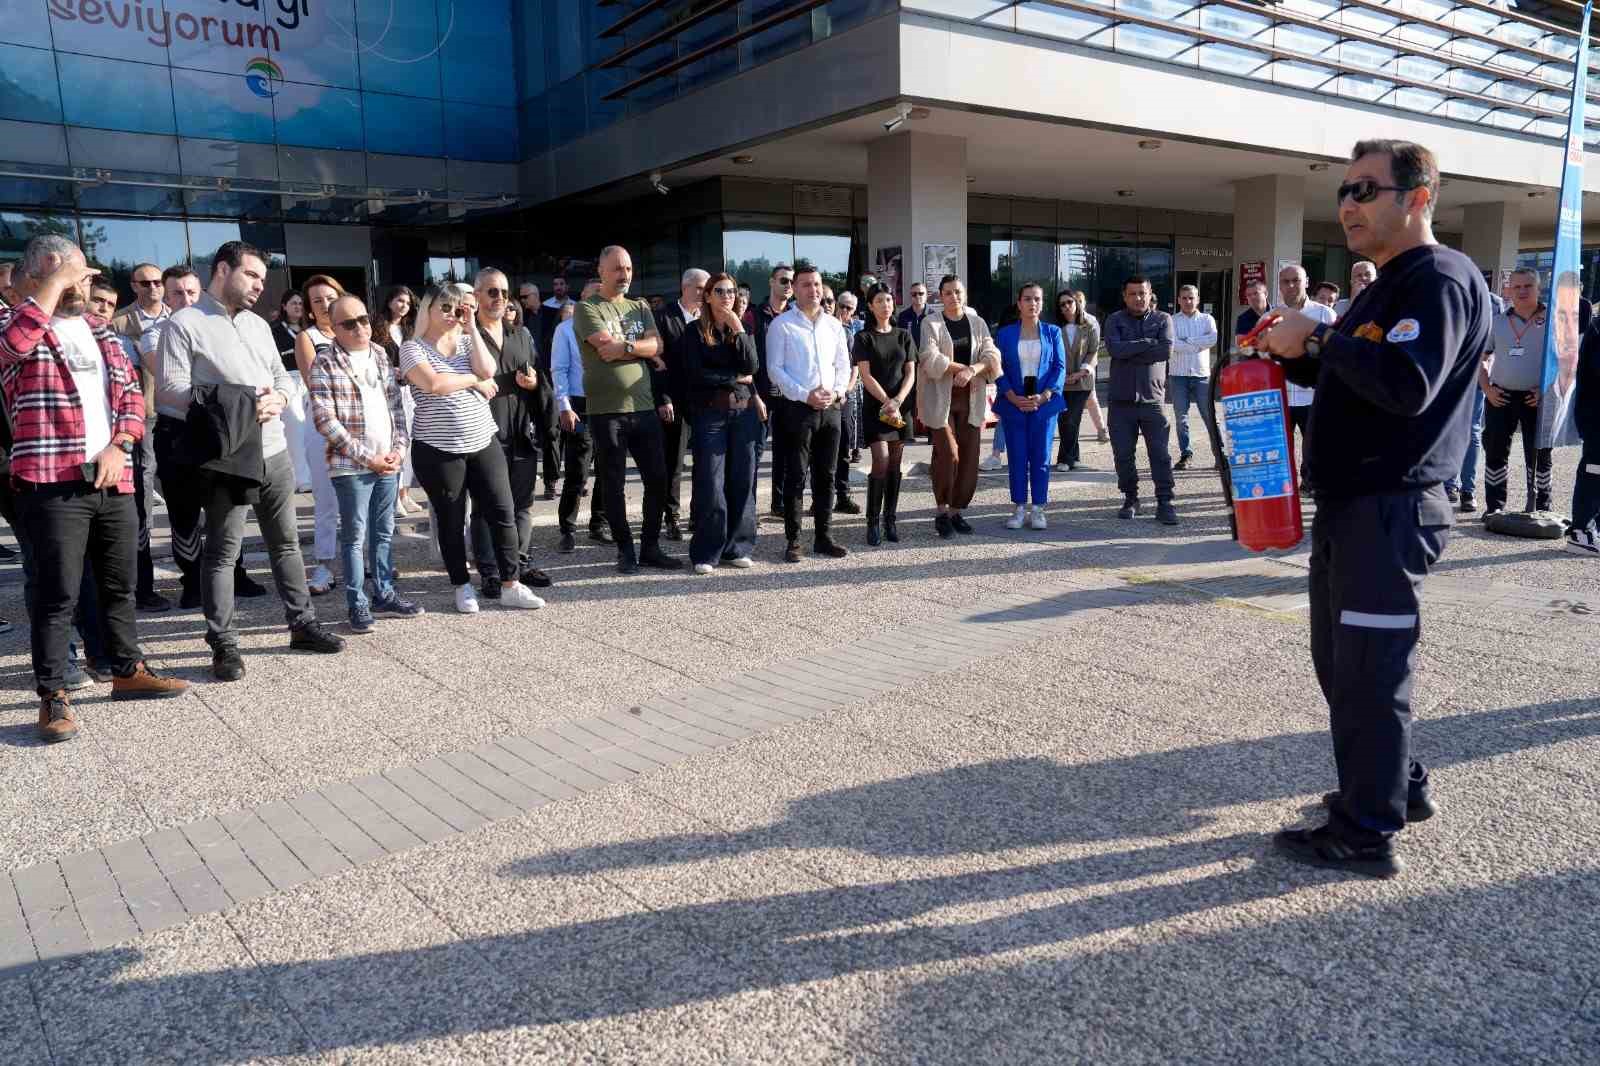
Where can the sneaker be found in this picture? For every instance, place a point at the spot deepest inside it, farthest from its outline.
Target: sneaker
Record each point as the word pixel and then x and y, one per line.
pixel 703 568
pixel 520 596
pixel 247 587
pixel 1017 519
pixel 395 607
pixel 226 663
pixel 56 720
pixel 1583 542
pixel 534 578
pixel 6 626
pixel 153 602
pixel 75 678
pixel 942 526
pixel 490 589
pixel 466 599
pixel 1452 494
pixel 671 530
pixel 601 535
pixel 627 563
pixel 310 636
pixel 843 504
pixel 1418 808
pixel 319 580
pixel 1468 504
pixel 993 462
pixel 568 545
pixel 361 620
pixel 1038 519
pixel 740 562
pixel 1325 849
pixel 825 546
pixel 1129 508
pixel 959 524
pixel 1183 461
pixel 1166 514
pixel 144 683
pixel 791 552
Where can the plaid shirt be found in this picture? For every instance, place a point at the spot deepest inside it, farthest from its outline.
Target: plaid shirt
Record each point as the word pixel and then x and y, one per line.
pixel 339 415
pixel 42 399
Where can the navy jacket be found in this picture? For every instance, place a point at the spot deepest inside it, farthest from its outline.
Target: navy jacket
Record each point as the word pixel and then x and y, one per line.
pixel 1140 350
pixel 1586 403
pixel 1052 369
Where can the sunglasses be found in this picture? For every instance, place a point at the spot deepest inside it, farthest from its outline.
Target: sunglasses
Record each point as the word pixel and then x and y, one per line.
pixel 447 310
pixel 1366 190
pixel 153 282
pixel 784 281
pixel 352 323
pixel 497 294
pixel 723 290
pixel 827 302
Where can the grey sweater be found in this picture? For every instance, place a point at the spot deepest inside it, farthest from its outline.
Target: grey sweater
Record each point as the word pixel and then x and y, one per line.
pixel 1140 348
pixel 204 345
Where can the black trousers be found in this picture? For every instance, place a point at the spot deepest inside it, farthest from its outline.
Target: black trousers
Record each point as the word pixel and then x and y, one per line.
pixel 182 490
pixel 677 439
pixel 1130 421
pixel 1369 555
pixel 449 478
pixel 812 437
pixel 615 438
pixel 64 523
pixel 522 471
pixel 549 434
pixel 778 444
pixel 849 435
pixel 1499 425
pixel 575 449
pixel 1586 485
pixel 1068 424
pixel 143 482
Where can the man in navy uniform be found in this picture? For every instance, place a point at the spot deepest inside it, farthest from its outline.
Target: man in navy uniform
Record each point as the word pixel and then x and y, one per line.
pixel 1394 379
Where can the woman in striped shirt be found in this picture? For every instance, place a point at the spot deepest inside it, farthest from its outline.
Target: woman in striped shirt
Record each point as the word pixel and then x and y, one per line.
pixel 454 449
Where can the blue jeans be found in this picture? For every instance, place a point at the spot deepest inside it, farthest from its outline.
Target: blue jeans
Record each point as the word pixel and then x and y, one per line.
pixel 726 447
pixel 1468 481
pixel 366 528
pixel 1182 391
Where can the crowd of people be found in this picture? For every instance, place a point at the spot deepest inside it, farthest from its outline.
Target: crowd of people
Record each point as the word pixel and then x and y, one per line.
pixel 476 394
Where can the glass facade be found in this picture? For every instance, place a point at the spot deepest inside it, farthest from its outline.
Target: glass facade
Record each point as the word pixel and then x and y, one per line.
pixel 1003 258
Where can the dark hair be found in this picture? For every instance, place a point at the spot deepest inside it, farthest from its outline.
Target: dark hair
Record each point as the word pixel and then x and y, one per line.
pixel 880 289
pixel 182 270
pixel 1326 285
pixel 806 267
pixel 780 266
pixel 1026 285
pixel 103 283
pixel 140 266
pixel 948 278
pixel 1413 166
pixel 407 325
pixel 1078 310
pixel 710 331
pixel 233 254
pixel 1134 279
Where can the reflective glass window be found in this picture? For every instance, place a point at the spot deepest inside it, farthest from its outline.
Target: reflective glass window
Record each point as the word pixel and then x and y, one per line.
pixel 117 245
pixel 484 133
pixel 475 59
pixel 785 37
pixel 144 200
pixel 751 247
pixel 26 22
pixel 403 125
pixel 530 56
pixel 399 46
pixel 18 228
pixel 28 89
pixel 114 95
pixel 825 243
pixel 1034 259
pixel 318 116
pixel 220 106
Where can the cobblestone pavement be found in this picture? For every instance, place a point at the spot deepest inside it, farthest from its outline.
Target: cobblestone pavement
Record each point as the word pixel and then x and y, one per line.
pixel 1000 799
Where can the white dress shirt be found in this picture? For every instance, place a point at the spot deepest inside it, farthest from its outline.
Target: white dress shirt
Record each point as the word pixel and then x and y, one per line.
pixel 1193 337
pixel 1028 356
pixel 805 354
pixel 566 365
pixel 1299 395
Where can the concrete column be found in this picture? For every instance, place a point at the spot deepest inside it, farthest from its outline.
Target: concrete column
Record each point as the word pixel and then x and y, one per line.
pixel 1269 219
pixel 916 196
pixel 1490 237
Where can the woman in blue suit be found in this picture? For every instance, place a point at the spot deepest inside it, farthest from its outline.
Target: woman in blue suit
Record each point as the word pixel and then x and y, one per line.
pixel 1033 365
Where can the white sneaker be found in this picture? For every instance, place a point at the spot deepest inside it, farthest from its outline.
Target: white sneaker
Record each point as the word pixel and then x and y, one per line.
pixel 520 596
pixel 1583 542
pixel 1016 520
pixel 743 562
pixel 1038 519
pixel 994 462
pixel 703 568
pixel 466 599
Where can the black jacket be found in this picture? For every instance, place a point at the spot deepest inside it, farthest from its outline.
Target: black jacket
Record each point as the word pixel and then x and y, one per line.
pixel 764 316
pixel 1586 403
pixel 515 409
pixel 670 385
pixel 710 369
pixel 224 440
pixel 549 319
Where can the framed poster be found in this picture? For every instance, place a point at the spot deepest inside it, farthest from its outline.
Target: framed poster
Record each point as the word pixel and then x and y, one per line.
pixel 888 265
pixel 937 261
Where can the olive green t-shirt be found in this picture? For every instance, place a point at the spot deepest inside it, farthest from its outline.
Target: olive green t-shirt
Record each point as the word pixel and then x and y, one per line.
pixel 614 388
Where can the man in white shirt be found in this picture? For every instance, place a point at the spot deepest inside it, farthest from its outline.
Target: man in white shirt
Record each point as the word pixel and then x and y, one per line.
pixel 566 368
pixel 808 360
pixel 1194 334
pixel 1362 274
pixel 1292 288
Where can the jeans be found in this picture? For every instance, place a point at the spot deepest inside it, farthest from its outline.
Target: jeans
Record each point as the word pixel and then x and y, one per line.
pixel 1183 390
pixel 449 478
pixel 1068 425
pixel 1130 421
pixel 366 530
pixel 522 471
pixel 813 440
pixel 1028 436
pixel 65 523
pixel 575 448
pixel 225 533
pixel 726 444
pixel 1468 482
pixel 616 437
pixel 143 482
pixel 778 443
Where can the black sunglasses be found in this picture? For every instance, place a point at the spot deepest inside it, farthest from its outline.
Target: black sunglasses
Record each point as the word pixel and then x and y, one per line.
pixel 723 290
pixel 495 294
pixel 156 282
pixel 826 302
pixel 784 281
pixel 1366 190
pixel 352 323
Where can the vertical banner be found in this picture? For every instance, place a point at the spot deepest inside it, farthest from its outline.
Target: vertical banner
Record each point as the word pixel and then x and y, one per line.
pixel 1558 378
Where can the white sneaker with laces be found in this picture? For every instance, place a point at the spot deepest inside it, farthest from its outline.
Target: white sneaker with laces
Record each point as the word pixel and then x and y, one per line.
pixel 703 568
pixel 993 462
pixel 1038 519
pixel 743 562
pixel 1583 542
pixel 466 599
pixel 519 596
pixel 1016 520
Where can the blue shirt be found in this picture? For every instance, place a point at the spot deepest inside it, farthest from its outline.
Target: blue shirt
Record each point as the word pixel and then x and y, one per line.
pixel 566 365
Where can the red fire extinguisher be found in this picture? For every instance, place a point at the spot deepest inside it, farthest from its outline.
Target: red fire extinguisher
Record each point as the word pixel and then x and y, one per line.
pixel 1262 467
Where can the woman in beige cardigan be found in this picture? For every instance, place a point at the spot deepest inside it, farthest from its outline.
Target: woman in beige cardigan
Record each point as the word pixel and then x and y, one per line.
pixel 957 361
pixel 1084 348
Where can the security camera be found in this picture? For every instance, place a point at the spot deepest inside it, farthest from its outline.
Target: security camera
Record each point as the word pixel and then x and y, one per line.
pixel 657 184
pixel 901 113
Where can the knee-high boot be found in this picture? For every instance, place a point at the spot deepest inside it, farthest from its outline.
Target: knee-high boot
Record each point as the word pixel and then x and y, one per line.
pixel 891 506
pixel 875 486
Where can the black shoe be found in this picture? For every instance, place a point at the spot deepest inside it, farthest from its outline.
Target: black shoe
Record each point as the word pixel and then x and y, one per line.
pixel 1166 514
pixel 960 525
pixel 190 599
pixel 791 552
pixel 153 602
pixel 601 535
pixel 310 636
pixel 826 546
pixel 247 587
pixel 226 664
pixel 549 490
pixel 1324 848
pixel 942 526
pixel 534 578
pixel 568 545
pixel 1418 808
pixel 671 530
pixel 1468 504
pixel 660 560
pixel 1129 508
pixel 627 564
pixel 361 621
pixel 7 552
pixel 490 589
pixel 1183 461
pixel 1453 495
pixel 395 607
pixel 843 504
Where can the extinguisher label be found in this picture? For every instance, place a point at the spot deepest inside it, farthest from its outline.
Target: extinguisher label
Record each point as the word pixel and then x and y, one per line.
pixel 1260 460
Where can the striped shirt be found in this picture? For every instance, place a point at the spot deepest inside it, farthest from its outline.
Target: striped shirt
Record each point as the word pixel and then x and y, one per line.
pixel 459 423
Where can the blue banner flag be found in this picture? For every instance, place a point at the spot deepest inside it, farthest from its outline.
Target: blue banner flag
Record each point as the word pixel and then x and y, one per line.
pixel 1558 378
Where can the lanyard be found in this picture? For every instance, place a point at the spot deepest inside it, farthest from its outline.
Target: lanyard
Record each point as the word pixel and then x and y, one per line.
pixel 1517 334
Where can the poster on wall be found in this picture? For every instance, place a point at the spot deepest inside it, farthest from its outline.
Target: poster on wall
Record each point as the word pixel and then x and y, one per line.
pixel 887 265
pixel 937 261
pixel 1249 273
pixel 1558 377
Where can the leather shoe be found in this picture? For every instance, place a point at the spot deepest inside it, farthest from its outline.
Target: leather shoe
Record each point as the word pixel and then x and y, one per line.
pixel 549 490
pixel 960 524
pixel 601 535
pixel 655 557
pixel 1418 808
pixel 145 684
pixel 568 545
pixel 310 636
pixel 826 546
pixel 535 578
pixel 226 663
pixel 671 530
pixel 942 526
pixel 791 553
pixel 627 564
pixel 153 602
pixel 845 505
pixel 56 720
pixel 1129 508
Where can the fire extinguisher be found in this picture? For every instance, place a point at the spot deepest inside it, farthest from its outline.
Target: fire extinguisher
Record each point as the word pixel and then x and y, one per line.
pixel 1261 464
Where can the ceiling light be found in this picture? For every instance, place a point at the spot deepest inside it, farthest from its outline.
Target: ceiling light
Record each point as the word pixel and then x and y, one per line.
pixel 1124 193
pixel 1317 168
pixel 744 160
pixel 1150 146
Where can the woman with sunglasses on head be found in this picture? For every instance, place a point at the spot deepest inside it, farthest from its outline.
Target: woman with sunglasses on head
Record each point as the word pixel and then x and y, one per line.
pixel 319 293
pixel 886 359
pixel 1080 334
pixel 455 444
pixel 719 369
pixel 1033 363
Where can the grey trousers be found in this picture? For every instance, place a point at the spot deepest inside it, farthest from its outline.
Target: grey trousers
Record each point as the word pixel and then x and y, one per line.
pixel 1129 422
pixel 275 515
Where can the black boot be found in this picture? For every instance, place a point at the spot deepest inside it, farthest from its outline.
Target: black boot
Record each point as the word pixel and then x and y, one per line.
pixel 891 507
pixel 874 510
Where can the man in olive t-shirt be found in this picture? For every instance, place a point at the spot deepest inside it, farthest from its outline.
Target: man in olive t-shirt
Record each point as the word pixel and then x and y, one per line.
pixel 618 341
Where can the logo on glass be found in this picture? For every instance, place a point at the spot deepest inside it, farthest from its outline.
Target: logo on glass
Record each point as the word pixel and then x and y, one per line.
pixel 263 76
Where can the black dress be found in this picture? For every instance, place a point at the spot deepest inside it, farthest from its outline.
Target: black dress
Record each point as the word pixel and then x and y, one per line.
pixel 889 354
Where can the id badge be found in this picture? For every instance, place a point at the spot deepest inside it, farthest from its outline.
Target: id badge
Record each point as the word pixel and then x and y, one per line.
pixel 1515 353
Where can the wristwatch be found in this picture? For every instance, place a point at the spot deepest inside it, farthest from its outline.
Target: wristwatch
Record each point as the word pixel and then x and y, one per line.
pixel 1317 339
pixel 627 347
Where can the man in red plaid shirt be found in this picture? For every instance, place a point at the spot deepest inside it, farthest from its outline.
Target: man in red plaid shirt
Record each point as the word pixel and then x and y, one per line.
pixel 76 414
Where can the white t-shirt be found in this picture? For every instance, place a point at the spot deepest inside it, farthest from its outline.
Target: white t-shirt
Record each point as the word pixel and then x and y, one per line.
pixel 374 404
pixel 1028 356
pixel 88 368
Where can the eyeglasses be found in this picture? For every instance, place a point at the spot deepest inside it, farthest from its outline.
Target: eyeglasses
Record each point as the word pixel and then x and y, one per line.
pixel 784 281
pixel 1366 190
pixel 153 282
pixel 826 302
pixel 497 294
pixel 352 323
pixel 723 290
